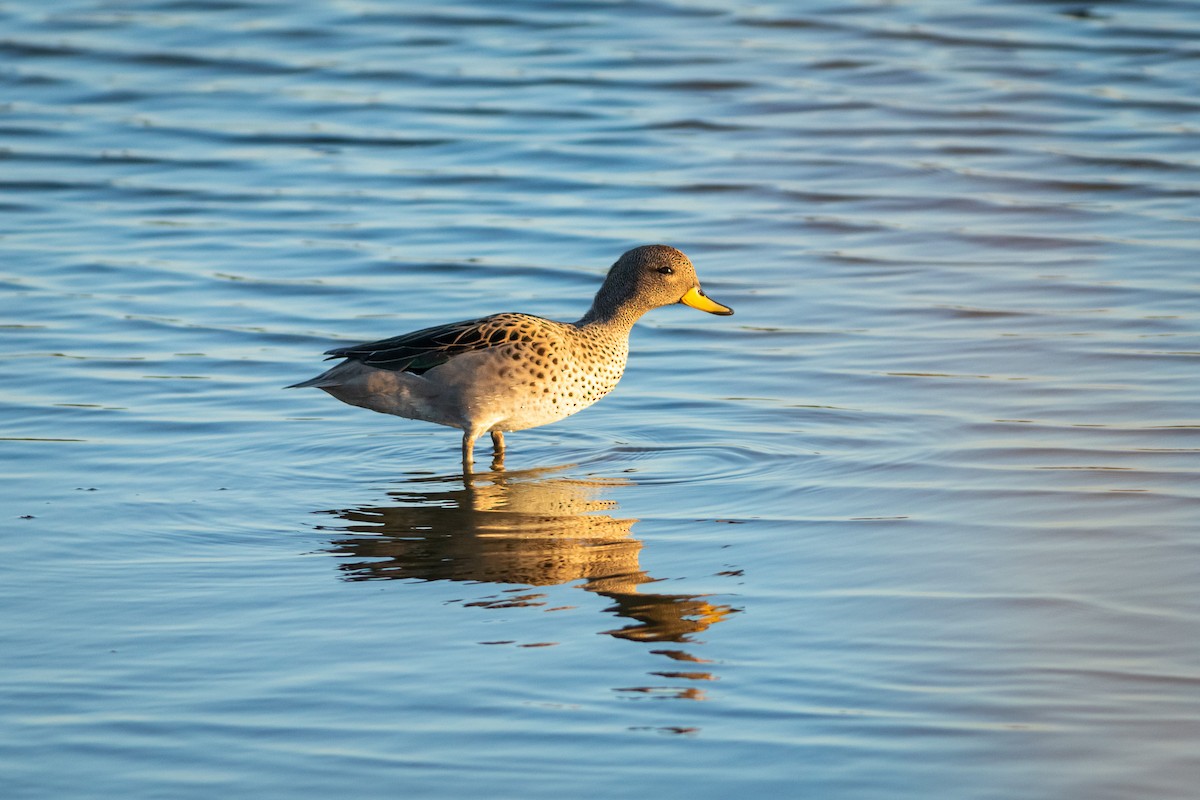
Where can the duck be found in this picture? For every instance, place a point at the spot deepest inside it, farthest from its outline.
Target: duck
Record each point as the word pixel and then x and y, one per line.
pixel 512 371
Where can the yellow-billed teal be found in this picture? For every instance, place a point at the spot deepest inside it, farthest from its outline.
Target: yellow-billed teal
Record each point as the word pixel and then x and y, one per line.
pixel 508 372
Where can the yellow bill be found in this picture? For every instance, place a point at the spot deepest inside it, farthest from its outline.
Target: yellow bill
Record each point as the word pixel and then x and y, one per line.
pixel 696 298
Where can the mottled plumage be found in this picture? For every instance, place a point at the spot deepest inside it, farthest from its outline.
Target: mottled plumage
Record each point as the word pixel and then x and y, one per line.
pixel 509 372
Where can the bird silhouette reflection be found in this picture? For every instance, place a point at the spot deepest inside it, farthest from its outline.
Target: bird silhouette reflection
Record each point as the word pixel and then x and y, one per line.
pixel 528 528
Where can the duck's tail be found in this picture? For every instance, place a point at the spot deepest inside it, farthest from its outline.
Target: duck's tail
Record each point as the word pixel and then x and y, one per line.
pixel 330 377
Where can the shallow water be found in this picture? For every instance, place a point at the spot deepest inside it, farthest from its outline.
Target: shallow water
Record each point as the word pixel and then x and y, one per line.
pixel 919 521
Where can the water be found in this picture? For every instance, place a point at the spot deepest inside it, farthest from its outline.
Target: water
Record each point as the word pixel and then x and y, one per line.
pixel 919 521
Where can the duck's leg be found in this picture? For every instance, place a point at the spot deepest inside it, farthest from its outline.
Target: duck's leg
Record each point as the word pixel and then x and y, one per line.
pixel 497 451
pixel 468 449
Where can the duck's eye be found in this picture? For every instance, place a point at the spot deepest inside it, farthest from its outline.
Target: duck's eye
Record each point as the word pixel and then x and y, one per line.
pixel 666 270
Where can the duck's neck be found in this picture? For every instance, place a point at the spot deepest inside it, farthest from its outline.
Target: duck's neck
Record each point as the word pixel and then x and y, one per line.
pixel 613 319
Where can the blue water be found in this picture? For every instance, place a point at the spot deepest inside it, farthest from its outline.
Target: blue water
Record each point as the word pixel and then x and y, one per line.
pixel 919 521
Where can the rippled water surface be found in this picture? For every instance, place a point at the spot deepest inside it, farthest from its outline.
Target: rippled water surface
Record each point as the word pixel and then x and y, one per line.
pixel 921 520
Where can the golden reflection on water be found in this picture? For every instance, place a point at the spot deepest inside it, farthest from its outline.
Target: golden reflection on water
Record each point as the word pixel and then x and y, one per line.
pixel 531 529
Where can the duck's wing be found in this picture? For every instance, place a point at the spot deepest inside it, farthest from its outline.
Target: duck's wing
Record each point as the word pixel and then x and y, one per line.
pixel 422 350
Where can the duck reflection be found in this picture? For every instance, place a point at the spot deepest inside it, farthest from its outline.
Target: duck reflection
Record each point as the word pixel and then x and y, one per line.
pixel 530 529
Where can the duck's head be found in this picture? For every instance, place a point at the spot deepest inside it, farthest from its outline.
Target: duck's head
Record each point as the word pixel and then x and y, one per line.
pixel 648 277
